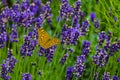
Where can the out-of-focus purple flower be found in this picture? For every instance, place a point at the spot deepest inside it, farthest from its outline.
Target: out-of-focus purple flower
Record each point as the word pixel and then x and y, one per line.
pixel 49 53
pixel 25 5
pixel 118 44
pixel 77 6
pixel 96 76
pixel 102 37
pixel 34 8
pixel 26 76
pixel 63 59
pixel 70 35
pixel 113 48
pixel 64 1
pixel 70 50
pixel 69 73
pixel 101 58
pixel 118 59
pixel 84 27
pixel 106 76
pixel 79 67
pixel 115 18
pixel 4 2
pixel 85 48
pixel 4 72
pixel 115 78
pixel 97 24
pixel 75 23
pixel 37 2
pixel 41 51
pixel 92 16
pixel 14 34
pixel 9 53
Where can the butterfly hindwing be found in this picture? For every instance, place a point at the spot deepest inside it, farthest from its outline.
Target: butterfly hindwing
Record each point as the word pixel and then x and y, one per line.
pixel 52 42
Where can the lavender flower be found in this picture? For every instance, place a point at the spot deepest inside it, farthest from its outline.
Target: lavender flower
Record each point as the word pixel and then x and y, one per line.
pixel 14 34
pixel 92 16
pixel 85 25
pixel 97 24
pixel 113 48
pixel 26 76
pixel 28 46
pixel 49 53
pixel 115 18
pixel 102 37
pixel 70 35
pixel 39 21
pixel 4 2
pixel 8 65
pixel 69 73
pixel 3 36
pixel 79 67
pixel 63 59
pixel 85 48
pixel 96 76
pixel 77 6
pixel 106 76
pixel 101 58
pixel 115 78
pixel 66 10
pixel 118 60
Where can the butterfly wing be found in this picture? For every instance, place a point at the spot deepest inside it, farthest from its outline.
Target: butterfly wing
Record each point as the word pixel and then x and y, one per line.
pixel 43 37
pixel 51 43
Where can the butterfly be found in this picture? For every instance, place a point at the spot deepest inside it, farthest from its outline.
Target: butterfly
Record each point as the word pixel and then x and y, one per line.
pixel 45 40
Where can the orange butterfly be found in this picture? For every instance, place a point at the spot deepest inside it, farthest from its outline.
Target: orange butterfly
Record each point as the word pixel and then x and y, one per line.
pixel 45 40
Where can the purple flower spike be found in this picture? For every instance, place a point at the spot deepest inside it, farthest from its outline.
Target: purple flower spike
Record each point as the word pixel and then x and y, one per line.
pixel 79 67
pixel 26 76
pixel 106 76
pixel 101 58
pixel 96 76
pixel 70 35
pixel 48 53
pixel 97 24
pixel 4 2
pixel 85 25
pixel 7 66
pixel 92 16
pixel 14 34
pixel 115 18
pixel 63 59
pixel 115 78
pixel 85 48
pixel 118 59
pixel 69 73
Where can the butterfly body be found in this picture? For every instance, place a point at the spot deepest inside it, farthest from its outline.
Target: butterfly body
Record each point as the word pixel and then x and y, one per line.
pixel 45 40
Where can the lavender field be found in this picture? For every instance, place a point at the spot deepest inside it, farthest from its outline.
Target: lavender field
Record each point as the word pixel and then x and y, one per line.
pixel 59 40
